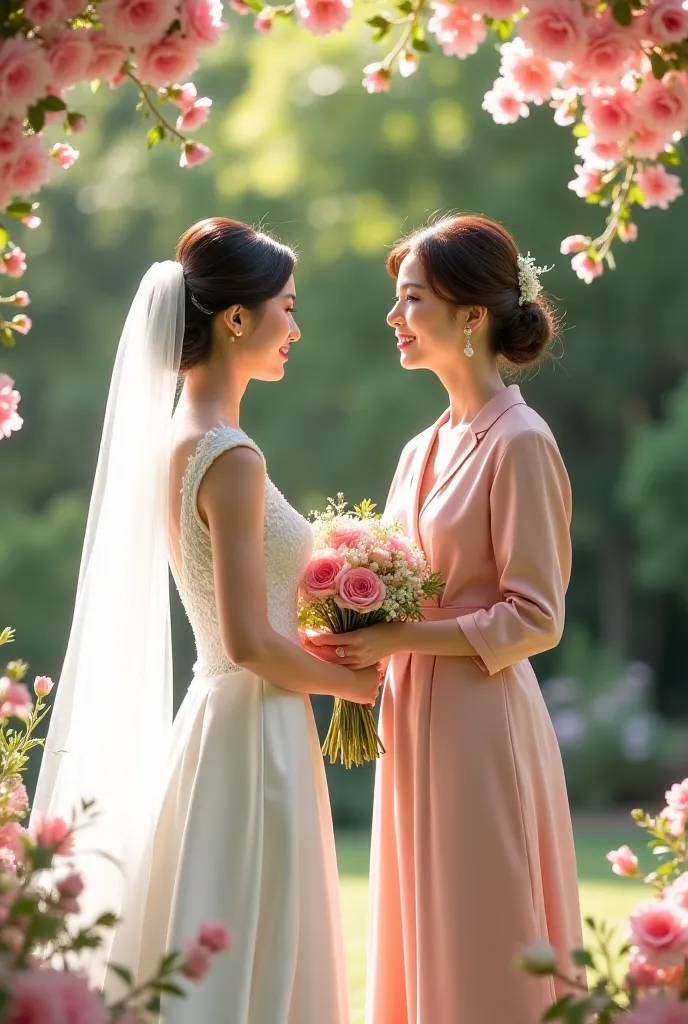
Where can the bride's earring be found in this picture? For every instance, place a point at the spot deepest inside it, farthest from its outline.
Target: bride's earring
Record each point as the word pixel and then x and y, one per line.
pixel 468 348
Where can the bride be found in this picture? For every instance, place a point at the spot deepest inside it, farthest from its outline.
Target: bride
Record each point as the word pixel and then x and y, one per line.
pixel 225 815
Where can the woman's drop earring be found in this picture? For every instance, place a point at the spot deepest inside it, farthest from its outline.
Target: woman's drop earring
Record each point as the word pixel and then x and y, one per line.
pixel 468 348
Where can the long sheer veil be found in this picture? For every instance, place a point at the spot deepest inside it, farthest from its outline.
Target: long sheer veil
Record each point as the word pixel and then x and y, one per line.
pixel 112 712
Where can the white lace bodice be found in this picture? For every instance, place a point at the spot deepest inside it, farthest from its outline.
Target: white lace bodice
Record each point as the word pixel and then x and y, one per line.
pixel 288 546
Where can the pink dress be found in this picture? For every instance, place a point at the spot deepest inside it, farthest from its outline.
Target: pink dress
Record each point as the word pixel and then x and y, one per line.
pixel 473 853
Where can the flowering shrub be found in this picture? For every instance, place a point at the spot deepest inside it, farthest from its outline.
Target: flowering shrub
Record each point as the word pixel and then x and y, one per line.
pixel 40 947
pixel 651 985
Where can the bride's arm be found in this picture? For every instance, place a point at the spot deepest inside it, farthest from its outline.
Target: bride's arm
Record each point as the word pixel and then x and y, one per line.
pixel 231 500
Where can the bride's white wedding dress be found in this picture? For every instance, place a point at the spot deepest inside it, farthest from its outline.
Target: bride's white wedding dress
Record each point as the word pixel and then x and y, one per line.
pixel 244 833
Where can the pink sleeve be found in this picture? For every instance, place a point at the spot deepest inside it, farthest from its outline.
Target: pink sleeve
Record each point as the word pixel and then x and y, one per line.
pixel 530 508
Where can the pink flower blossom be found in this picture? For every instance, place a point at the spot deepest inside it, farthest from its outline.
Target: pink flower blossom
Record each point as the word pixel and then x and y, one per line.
pixel 458 31
pixel 346 537
pixel 70 8
pixel 623 861
pixel 376 78
pixel 587 181
pixel 214 936
pixel 15 699
pixel 202 22
pixel 42 684
pixel 663 106
pixel 239 6
pixel 64 155
pixel 24 74
pixel 69 57
pixel 264 22
pixel 677 892
pixel 320 576
pixel 76 123
pixel 136 22
pixel 408 64
pixel 22 324
pixel 11 140
pixel 10 420
pixel 107 58
pixel 321 17
pixel 183 96
pixel 194 153
pixel 196 116
pixel 586 268
pixel 16 797
pixel 14 262
pixel 643 974
pixel 658 1009
pixel 666 21
pixel 79 1003
pixel 21 299
pixel 54 834
pixel 554 29
pixel 659 189
pixel 505 102
pixel 33 999
pixel 609 50
pixel 44 13
pixel 610 113
pixel 532 74
pixel 564 104
pixel 628 232
pixel 500 10
pixel 197 961
pixel 166 61
pixel 648 143
pixel 360 590
pixel 70 888
pixel 600 155
pixel 30 171
pixel 31 221
pixel 11 840
pixel 659 928
pixel 574 243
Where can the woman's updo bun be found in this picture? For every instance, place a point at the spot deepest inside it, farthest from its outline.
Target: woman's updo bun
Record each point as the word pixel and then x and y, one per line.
pixel 471 260
pixel 226 263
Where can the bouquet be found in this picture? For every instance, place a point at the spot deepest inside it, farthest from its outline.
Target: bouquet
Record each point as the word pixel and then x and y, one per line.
pixel 363 571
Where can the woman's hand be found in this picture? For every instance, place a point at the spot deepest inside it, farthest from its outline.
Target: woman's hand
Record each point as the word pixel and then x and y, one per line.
pixel 363 687
pixel 357 650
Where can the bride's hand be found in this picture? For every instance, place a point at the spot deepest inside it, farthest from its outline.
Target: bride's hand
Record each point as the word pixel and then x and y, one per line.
pixel 360 649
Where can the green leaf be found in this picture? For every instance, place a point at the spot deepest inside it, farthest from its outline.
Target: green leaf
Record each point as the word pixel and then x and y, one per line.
pixel 670 158
pixel 666 869
pixel 53 103
pixel 4 237
pixel 122 972
pixel 405 7
pixel 557 1011
pixel 582 958
pixel 107 920
pixel 580 130
pixel 36 117
pixel 155 135
pixel 95 85
pixel 7 338
pixel 153 1005
pixel 418 42
pixel 611 262
pixel 379 22
pixel 659 65
pixel 594 198
pixel 622 13
pixel 169 987
pixel 19 210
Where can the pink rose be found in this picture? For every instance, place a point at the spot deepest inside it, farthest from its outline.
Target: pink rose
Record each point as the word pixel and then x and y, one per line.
pixel 360 590
pixel 166 61
pixel 64 155
pixel 194 153
pixel 610 113
pixel 346 537
pixel 69 57
pixel 663 106
pixel 587 181
pixel 42 685
pixel 658 1009
pixel 15 699
pixel 30 171
pixel 533 75
pixel 137 22
pixel 14 263
pixel 648 143
pixel 196 116
pixel 601 155
pixel 24 75
pixel 214 936
pixel 574 243
pixel 643 974
pixel 107 58
pixel 54 834
pixel 10 420
pixel 202 22
pixel 586 268
pixel 376 78
pixel 505 102
pixel 197 961
pixel 320 577
pixel 659 189
pixel 500 10
pixel 44 13
pixel 321 17
pixel 458 31
pixel 623 861
pixel 11 139
pixel 609 49
pixel 677 892
pixel 666 22
pixel 555 29
pixel 659 928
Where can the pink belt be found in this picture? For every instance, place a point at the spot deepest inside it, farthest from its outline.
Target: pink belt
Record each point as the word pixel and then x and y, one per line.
pixel 433 613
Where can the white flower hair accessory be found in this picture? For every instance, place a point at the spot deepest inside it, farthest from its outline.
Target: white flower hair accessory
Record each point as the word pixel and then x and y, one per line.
pixel 529 279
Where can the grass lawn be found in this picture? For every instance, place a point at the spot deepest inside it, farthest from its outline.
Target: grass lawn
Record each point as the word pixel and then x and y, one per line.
pixel 603 895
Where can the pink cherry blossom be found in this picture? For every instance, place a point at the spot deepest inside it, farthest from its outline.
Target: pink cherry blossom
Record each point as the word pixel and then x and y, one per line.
pixel 609 50
pixel 54 834
pixel 500 10
pixel 194 153
pixel 166 61
pixel 22 325
pixel 183 96
pixel 197 961
pixel 564 104
pixel 505 102
pixel 42 686
pixel 196 116
pixel 64 155
pixel 458 31
pixel 533 75
pixel 663 106
pixel 628 232
pixel 30 170
pixel 610 113
pixel 45 13
pixel 586 268
pixel 666 21
pixel 623 861
pixel 554 29
pixel 14 262
pixel 659 189
pixel 677 797
pixel 574 243
pixel 321 17
pixel 588 180
pixel 214 936
pixel 15 699
pixel 11 139
pixel 69 57
pixel 648 143
pixel 24 74
pixel 16 799
pixel 136 22
pixel 11 840
pixel 376 78
pixel 408 64
pixel 202 22
pixel 31 221
pixel 659 928
pixel 600 155
pixel 10 420
pixel 107 58
pixel 264 21
pixel 658 1009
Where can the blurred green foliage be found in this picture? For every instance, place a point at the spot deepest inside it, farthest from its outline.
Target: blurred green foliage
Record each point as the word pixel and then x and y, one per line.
pixel 302 149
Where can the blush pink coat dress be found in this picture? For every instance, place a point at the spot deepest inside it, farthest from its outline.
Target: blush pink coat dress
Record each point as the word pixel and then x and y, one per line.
pixel 473 853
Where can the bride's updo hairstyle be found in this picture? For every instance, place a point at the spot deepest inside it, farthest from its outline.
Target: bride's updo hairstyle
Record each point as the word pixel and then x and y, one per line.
pixel 470 260
pixel 226 263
